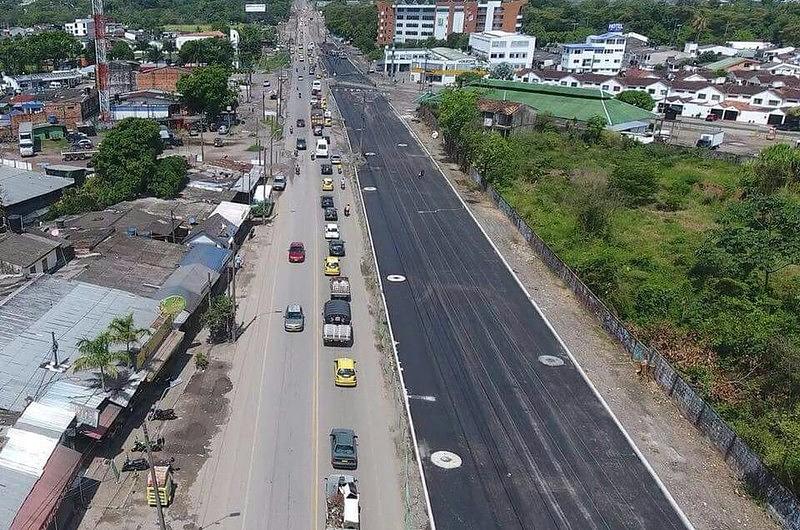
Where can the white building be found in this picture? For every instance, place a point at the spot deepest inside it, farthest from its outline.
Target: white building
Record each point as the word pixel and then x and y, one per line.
pixel 497 47
pixel 749 45
pixel 81 28
pixel 441 66
pixel 600 54
pixel 180 40
pixel 400 59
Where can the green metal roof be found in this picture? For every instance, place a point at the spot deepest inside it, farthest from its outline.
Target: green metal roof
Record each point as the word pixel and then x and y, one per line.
pixel 564 102
pixel 724 63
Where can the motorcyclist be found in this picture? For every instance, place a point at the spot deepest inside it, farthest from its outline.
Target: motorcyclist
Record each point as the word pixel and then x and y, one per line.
pixel 291 130
pixel 297 169
pixel 421 173
pixel 347 210
pixel 341 183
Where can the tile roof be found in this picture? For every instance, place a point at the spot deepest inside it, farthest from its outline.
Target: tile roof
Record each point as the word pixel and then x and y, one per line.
pixel 23 250
pixel 503 107
pixel 745 90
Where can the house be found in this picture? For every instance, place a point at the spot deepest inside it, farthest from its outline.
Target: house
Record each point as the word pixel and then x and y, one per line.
pixel 27 194
pixel 496 47
pixel 82 28
pixel 666 56
pixel 749 45
pixel 400 59
pixel 503 116
pixel 783 69
pixel 733 64
pixel 161 78
pixel 153 104
pixel 27 253
pixel 216 231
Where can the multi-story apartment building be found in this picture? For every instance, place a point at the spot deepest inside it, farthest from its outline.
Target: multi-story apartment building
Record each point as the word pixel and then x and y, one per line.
pixel 419 21
pixel 503 47
pixel 600 54
pixel 83 28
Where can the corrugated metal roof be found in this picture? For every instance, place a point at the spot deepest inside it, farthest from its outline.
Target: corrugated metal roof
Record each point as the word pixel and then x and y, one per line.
pixel 72 310
pixel 46 420
pixel 65 394
pixel 233 212
pixel 16 488
pixel 27 452
pixel 212 257
pixel 191 282
pixel 20 185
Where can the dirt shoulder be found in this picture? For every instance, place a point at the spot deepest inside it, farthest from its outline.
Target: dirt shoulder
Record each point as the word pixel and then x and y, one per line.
pixel 691 469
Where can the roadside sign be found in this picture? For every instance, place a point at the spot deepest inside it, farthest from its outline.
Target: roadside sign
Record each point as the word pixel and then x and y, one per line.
pixel 255 8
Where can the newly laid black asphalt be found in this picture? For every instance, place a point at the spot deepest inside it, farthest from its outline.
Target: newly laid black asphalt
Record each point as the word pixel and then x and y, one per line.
pixel 538 449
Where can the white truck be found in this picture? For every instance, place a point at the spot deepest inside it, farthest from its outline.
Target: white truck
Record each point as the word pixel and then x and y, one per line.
pixel 711 140
pixel 340 288
pixel 341 503
pixel 26 140
pixel 337 334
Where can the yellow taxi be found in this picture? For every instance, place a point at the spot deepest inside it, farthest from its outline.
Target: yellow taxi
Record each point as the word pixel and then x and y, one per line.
pixel 323 103
pixel 332 267
pixel 344 372
pixel 327 184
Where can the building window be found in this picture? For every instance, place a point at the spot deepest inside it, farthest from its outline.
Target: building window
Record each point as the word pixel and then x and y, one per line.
pixel 773 103
pixel 574 83
pixel 701 96
pixel 664 92
pixel 605 87
pixel 563 83
pixel 651 90
pixel 32 270
pixel 757 101
pixel 714 98
pixel 616 89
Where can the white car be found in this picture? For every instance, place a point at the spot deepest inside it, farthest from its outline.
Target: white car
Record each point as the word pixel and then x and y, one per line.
pixel 299 77
pixel 331 231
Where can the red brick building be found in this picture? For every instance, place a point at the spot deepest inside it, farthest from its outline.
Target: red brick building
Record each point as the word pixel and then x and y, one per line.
pixel 163 78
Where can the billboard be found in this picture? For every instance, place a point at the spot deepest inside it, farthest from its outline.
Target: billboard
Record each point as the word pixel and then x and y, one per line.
pixel 255 8
pixel 615 27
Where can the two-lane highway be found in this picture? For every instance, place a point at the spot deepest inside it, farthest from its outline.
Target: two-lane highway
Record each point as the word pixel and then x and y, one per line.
pixel 538 447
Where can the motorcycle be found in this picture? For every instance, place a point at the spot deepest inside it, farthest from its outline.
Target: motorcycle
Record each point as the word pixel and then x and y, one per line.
pixel 341 184
pixel 347 211
pixel 291 131
pixel 163 414
pixel 297 170
pixel 139 446
pixel 137 464
pixel 339 169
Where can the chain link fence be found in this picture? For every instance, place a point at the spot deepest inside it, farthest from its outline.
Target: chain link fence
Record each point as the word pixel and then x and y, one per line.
pixel 781 503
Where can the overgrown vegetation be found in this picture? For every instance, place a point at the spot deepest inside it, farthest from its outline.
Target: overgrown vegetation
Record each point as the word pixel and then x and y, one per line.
pixel 126 167
pixel 218 318
pixel 700 256
pixel 357 23
pixel 274 61
pixel 705 21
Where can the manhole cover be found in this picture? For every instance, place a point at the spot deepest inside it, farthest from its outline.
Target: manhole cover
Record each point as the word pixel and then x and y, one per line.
pixel 551 360
pixel 369 188
pixel 446 459
pixel 396 278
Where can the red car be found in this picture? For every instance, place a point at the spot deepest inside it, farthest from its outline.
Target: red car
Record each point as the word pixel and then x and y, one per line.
pixel 712 117
pixel 297 252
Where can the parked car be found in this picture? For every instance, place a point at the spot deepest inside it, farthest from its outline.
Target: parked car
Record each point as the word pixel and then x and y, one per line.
pixel 297 252
pixel 266 84
pixel 300 77
pixel 301 122
pixel 331 231
pixel 331 214
pixel 326 201
pixel 194 132
pixel 336 160
pixel 336 248
pixel 344 372
pixel 318 130
pixel 712 117
pixel 326 169
pixel 279 183
pixel 344 449
pixel 300 144
pixel 223 130
pixel 293 318
pixel 218 142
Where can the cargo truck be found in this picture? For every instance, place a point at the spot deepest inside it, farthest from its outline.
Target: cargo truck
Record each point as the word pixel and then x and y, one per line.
pixel 711 140
pixel 26 140
pixel 341 503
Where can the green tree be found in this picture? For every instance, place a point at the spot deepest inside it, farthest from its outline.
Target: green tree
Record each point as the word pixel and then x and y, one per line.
pixel 121 51
pixel 154 54
pixel 170 177
pixel 595 126
pixel 457 110
pixel 213 51
pixel 635 181
pixel 491 155
pixel 206 90
pixel 502 71
pixel 758 236
pixel 251 38
pixel 126 160
pixel 467 78
pixel 95 355
pixel 458 40
pixel 700 23
pixel 638 98
pixel 357 23
pixel 123 330
pixel 218 317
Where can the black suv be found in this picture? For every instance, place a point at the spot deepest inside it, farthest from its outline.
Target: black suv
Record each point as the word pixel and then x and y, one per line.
pixel 331 214
pixel 301 122
pixel 300 144
pixel 326 169
pixel 336 248
pixel 326 201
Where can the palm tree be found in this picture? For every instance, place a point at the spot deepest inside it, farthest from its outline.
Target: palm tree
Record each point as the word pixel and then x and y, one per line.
pixel 122 330
pixel 96 355
pixel 700 24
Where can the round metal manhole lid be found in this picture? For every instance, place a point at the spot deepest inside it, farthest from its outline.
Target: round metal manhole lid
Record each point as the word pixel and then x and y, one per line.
pixel 369 188
pixel 551 360
pixel 396 278
pixel 446 459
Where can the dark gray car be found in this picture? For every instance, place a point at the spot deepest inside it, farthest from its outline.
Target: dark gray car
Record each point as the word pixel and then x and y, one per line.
pixel 344 449
pixel 336 248
pixel 293 318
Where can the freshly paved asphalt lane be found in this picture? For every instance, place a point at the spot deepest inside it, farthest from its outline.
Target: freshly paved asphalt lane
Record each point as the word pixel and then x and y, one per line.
pixel 539 449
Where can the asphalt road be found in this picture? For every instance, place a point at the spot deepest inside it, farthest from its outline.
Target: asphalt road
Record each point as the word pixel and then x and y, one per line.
pixel 268 464
pixel 538 448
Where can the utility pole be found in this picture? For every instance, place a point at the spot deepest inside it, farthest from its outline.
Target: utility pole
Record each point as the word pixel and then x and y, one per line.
pixel 153 478
pixel 271 143
pixel 233 295
pixel 202 143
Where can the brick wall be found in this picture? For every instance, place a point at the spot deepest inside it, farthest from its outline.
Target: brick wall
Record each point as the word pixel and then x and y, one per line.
pixel 470 17
pixel 510 11
pixel 163 78
pixel 385 9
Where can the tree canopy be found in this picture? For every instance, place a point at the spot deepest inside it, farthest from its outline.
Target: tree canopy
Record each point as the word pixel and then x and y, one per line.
pixel 206 90
pixel 31 53
pixel 207 51
pixel 357 23
pixel 121 51
pixel 638 98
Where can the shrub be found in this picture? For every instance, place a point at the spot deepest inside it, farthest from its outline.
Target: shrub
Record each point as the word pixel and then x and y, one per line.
pixel 634 181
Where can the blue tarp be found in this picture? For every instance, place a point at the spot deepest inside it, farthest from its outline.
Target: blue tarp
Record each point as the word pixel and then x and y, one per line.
pixel 208 255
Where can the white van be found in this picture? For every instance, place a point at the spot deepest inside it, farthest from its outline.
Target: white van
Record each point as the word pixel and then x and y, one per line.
pixel 322 148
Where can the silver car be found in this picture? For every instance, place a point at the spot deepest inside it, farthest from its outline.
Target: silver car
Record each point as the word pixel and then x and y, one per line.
pixel 293 318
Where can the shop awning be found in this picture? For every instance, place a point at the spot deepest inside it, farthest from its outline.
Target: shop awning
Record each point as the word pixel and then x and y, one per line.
pixel 107 417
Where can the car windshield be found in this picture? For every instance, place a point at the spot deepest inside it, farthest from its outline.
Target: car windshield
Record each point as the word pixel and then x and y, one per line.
pixel 342 449
pixel 295 248
pixel 347 372
pixel 294 315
